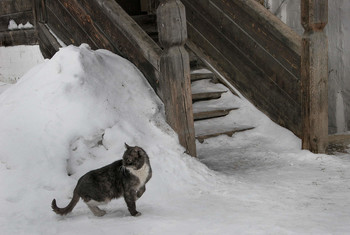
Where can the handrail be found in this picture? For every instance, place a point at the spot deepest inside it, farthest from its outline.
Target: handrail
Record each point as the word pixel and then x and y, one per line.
pixel 138 37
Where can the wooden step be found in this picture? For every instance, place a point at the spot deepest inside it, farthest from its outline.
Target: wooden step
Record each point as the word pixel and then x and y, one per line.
pixel 205 130
pixel 205 113
pixel 200 76
pixel 207 95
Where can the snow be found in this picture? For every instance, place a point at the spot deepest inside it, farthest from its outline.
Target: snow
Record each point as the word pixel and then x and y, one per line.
pixel 16 61
pixel 14 26
pixel 73 113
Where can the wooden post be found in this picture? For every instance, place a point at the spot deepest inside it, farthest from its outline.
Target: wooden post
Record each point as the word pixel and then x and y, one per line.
pixel 39 10
pixel 175 81
pixel 314 75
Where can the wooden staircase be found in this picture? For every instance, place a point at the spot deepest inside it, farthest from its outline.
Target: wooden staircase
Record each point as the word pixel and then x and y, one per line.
pixel 206 94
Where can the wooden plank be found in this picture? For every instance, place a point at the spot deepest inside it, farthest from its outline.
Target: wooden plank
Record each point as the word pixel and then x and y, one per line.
pixel 59 28
pixel 233 36
pixel 175 72
pixel 87 24
pixel 129 39
pixel 47 42
pixel 237 57
pixel 203 113
pixel 19 37
pixel 339 143
pixel 205 130
pixel 201 76
pixel 206 95
pixel 263 21
pixel 76 34
pixel 14 6
pixel 19 18
pixel 273 102
pixel 286 49
pixel 110 13
pixel 314 75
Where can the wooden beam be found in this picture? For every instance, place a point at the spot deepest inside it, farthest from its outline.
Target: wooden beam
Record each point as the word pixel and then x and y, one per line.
pixel 314 75
pixel 47 42
pixel 127 37
pixel 19 37
pixel 175 72
pixel 14 6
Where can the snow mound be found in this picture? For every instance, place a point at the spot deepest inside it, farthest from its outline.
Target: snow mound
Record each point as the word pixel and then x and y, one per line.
pixel 73 114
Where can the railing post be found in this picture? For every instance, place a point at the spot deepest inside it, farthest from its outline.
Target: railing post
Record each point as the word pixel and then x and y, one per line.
pixel 175 71
pixel 314 75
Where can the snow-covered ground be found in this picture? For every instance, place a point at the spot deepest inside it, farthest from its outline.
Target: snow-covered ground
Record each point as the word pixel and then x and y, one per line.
pixel 73 113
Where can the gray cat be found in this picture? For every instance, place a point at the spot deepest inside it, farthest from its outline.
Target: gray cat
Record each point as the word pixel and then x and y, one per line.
pixel 126 177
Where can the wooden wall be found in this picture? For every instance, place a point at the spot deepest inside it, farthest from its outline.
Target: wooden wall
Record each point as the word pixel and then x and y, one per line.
pixel 21 11
pixel 255 51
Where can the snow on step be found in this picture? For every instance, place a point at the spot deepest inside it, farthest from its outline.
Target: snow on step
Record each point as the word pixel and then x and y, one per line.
pixel 207 86
pixel 209 128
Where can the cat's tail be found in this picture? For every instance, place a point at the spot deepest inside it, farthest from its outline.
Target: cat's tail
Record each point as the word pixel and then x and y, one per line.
pixel 67 209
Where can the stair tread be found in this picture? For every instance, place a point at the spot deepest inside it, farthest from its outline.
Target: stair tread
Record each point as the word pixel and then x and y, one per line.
pixel 200 109
pixel 206 130
pixel 200 76
pixel 206 95
pixel 201 113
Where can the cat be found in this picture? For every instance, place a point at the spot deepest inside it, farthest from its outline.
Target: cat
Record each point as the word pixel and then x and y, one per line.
pixel 126 177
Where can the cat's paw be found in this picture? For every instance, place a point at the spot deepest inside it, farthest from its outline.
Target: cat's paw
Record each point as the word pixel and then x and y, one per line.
pixel 137 214
pixel 100 213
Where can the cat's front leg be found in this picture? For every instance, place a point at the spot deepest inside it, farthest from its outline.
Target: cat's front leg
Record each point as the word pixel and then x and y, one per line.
pixel 132 207
pixel 141 191
pixel 130 199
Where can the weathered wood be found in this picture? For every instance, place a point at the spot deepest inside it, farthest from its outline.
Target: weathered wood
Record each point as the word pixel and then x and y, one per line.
pixel 201 76
pixel 127 37
pixel 39 9
pixel 338 143
pixel 14 6
pixel 277 61
pixel 19 18
pixel 86 23
pixel 272 87
pixel 152 6
pixel 59 28
pixel 19 37
pixel 314 73
pixel 121 21
pixel 175 72
pixel 272 102
pixel 209 130
pixel 207 95
pixel 47 42
pixel 207 113
pixel 77 34
pixel 260 25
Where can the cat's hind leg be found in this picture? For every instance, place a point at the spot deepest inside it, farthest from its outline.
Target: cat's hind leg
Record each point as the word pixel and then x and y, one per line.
pixel 93 206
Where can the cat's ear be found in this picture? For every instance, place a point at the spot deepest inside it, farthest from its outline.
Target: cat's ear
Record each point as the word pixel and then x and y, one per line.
pixel 127 146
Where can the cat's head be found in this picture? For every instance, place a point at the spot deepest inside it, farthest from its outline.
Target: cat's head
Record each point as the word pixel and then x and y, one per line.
pixel 134 157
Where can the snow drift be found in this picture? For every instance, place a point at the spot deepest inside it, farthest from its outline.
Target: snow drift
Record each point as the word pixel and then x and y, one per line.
pixel 73 114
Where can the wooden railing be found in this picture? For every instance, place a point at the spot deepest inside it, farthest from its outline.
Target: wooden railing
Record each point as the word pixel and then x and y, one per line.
pixel 254 50
pixel 104 24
